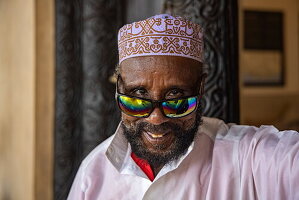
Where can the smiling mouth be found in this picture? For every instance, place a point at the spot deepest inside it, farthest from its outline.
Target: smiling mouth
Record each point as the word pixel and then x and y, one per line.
pixel 156 138
pixel 156 135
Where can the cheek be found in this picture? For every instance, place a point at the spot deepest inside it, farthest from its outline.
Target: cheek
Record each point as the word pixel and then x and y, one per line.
pixel 185 122
pixel 189 120
pixel 129 121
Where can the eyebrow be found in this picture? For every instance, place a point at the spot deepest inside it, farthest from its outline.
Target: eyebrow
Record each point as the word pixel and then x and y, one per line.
pixel 185 87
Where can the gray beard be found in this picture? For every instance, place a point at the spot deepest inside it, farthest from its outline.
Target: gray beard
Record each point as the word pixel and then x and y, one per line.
pixel 183 139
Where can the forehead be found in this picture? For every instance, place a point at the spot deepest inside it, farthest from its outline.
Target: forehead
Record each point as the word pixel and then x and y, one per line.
pixel 164 68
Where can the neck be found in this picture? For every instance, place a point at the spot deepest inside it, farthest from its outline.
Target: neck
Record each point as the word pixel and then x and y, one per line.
pixel 156 169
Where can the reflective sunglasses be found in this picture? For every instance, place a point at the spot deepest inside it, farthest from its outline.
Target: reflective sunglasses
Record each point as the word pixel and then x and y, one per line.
pixel 172 108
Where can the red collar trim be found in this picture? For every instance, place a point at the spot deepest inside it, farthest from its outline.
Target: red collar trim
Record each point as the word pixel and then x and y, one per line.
pixel 144 166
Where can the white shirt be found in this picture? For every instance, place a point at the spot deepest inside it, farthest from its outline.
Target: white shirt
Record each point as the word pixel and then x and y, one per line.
pixel 225 162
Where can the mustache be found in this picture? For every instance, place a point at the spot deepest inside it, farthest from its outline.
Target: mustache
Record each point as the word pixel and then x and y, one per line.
pixel 165 127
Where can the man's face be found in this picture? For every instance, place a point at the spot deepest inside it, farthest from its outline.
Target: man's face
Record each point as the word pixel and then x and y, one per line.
pixel 159 139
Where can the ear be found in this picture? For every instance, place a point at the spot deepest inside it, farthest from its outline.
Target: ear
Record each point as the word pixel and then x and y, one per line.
pixel 119 83
pixel 202 84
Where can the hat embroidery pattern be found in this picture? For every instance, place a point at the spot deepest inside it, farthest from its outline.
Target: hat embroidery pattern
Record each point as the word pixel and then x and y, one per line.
pixel 161 35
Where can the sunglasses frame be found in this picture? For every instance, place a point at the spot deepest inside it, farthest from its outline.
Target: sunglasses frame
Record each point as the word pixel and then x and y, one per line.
pixel 156 104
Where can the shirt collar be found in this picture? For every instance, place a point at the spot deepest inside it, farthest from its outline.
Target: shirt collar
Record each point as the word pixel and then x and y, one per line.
pixel 119 151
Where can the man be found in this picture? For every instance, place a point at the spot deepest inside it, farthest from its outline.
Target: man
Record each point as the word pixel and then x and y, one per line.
pixel 163 147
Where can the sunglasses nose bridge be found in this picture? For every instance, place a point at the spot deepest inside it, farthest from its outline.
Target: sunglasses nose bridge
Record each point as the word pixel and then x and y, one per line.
pixel 156 117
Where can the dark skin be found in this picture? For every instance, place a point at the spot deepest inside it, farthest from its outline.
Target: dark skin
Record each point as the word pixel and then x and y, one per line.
pixel 156 78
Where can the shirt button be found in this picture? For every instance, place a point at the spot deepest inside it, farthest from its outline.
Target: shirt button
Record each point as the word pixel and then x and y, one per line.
pixel 116 159
pixel 110 150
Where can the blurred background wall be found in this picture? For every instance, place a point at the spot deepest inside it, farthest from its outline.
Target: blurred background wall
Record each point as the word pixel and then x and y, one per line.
pixel 272 104
pixel 26 99
pixel 27 82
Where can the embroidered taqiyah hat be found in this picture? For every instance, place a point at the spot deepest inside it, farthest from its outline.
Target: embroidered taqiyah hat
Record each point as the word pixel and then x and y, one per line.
pixel 161 35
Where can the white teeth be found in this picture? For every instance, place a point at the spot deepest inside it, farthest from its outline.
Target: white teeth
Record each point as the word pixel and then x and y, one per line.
pixel 157 135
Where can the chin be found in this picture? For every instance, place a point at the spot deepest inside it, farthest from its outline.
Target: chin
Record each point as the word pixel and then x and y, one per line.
pixel 162 150
pixel 160 144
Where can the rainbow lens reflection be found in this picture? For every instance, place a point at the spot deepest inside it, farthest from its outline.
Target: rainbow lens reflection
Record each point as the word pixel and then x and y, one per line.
pixel 180 107
pixel 142 108
pixel 134 107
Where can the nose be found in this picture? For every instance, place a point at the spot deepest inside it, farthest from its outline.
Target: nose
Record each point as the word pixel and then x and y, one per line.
pixel 156 117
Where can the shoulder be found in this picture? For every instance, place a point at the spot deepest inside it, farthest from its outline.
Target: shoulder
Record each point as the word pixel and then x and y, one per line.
pixel 89 170
pixel 218 130
pixel 97 155
pixel 213 127
pixel 247 139
pixel 264 146
pixel 264 138
pixel 93 165
pixel 262 158
pixel 267 141
pixel 269 158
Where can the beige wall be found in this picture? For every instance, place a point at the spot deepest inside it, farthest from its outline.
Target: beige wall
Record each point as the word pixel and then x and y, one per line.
pixel 274 105
pixel 44 91
pixel 26 115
